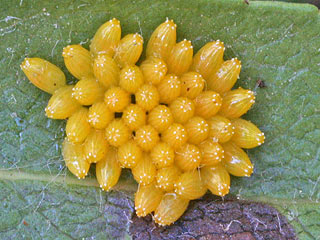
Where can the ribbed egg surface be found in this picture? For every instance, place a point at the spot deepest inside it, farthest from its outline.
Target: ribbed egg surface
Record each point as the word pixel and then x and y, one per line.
pixel 174 121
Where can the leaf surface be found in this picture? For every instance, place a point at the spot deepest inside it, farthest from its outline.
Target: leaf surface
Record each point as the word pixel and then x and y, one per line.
pixel 278 43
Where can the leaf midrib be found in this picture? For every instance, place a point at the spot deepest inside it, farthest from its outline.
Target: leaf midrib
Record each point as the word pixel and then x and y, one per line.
pixel 17 175
pixel 128 186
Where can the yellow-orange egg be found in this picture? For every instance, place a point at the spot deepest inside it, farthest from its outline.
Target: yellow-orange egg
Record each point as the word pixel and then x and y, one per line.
pixel 190 185
pixel 182 109
pixel 237 102
pixel 207 104
pixel 43 74
pixel 160 118
pixel 208 59
pixel 78 127
pixel 198 130
pixel 88 91
pixel 129 50
pixel 147 97
pixel 146 137
pixel 108 170
pixel 99 115
pixel 134 116
pixel 176 135
pixel 61 104
pixel 180 58
pixel 78 61
pixel 116 99
pixel 236 161
pixel 106 38
pixel 162 40
pixel 220 129
pixel 170 209
pixel 188 157
pixel 131 79
pixel 95 146
pixel 117 133
pixel 169 88
pixel 246 134
pixel 74 158
pixel 106 70
pixel 166 177
pixel 217 179
pixel 145 171
pixel 129 154
pixel 212 153
pixel 162 155
pixel 225 77
pixel 147 199
pixel 154 70
pixel 192 84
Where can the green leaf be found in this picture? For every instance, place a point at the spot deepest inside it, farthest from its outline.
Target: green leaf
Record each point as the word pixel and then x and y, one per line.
pixel 278 43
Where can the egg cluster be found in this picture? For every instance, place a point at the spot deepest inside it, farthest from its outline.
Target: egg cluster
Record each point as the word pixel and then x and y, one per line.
pixel 173 120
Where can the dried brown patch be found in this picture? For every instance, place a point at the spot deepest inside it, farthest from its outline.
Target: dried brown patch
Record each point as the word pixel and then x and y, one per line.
pixel 210 218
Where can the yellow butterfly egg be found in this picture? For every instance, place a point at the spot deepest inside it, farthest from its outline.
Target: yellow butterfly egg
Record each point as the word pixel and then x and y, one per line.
pixel 78 61
pixel 169 88
pixel 180 58
pixel 246 134
pixel 116 99
pixel 236 161
pixel 154 70
pixel 217 179
pixel 106 38
pixel 146 137
pixel 192 84
pixel 162 155
pixel 43 74
pixel 212 153
pixel 99 115
pixel 182 109
pixel 162 40
pixel 95 146
pixel 87 91
pixel 145 171
pixel 173 121
pixel 147 97
pixel 188 157
pixel 117 133
pixel 190 186
pixel 131 78
pixel 236 103
pixel 74 158
pixel 198 130
pixel 160 118
pixel 147 199
pixel 166 177
pixel 108 170
pixel 220 129
pixel 78 127
pixel 170 209
pixel 129 50
pixel 207 104
pixel 129 154
pixel 176 135
pixel 61 104
pixel 225 77
pixel 134 116
pixel 208 59
pixel 106 70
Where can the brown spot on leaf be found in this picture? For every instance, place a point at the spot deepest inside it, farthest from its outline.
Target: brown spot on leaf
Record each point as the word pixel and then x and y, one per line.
pixel 261 84
pixel 210 218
